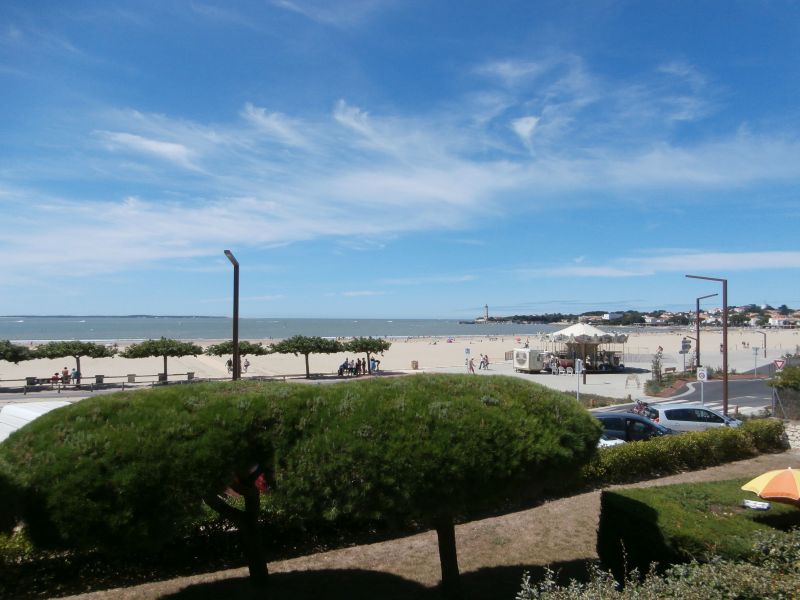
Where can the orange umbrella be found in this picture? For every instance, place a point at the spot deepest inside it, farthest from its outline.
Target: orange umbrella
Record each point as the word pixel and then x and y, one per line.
pixel 781 486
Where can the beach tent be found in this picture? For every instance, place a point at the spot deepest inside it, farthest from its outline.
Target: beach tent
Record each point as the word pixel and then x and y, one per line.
pixel 15 416
pixel 583 341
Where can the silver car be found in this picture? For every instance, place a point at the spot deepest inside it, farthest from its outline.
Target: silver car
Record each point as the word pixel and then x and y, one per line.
pixel 688 417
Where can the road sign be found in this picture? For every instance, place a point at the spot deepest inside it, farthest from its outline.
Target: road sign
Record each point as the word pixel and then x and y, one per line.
pixel 686 345
pixel 466 351
pixel 702 374
pixel 779 363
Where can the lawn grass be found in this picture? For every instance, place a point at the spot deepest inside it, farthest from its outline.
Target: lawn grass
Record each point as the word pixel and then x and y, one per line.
pixel 682 522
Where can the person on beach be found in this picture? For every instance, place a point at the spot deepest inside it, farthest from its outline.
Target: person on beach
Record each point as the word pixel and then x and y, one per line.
pixel 246 365
pixel 74 375
pixel 480 363
pixel 471 366
pixel 485 362
pixel 65 375
pixel 229 364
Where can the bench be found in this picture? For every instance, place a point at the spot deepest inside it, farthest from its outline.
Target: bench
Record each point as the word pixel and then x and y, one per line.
pixel 671 370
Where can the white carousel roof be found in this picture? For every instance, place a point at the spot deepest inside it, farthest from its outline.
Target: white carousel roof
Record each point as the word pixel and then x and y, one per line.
pixel 583 333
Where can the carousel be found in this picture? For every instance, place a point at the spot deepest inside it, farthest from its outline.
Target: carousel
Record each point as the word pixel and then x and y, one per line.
pixel 590 344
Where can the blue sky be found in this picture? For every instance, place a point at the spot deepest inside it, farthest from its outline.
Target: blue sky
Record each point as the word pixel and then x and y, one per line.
pixel 397 159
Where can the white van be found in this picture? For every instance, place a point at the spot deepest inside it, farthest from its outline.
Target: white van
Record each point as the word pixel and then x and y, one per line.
pixel 688 417
pixel 15 416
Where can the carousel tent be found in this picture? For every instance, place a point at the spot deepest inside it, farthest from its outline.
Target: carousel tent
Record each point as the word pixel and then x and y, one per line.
pixel 582 333
pixel 583 341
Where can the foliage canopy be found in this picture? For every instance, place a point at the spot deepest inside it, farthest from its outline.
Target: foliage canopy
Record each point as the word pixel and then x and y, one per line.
pixel 306 345
pixel 163 347
pixel 75 349
pixel 131 470
pixel 245 349
pixel 14 352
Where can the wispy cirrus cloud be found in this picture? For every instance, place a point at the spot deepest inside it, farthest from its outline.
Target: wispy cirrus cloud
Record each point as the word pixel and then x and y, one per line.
pixel 340 14
pixel 428 280
pixel 689 262
pixel 271 179
pixel 170 151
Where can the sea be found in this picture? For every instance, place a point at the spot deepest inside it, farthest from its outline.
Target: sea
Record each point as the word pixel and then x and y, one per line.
pixel 134 328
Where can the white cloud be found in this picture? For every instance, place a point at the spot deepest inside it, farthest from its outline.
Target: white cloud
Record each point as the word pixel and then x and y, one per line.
pixel 360 293
pixel 524 127
pixel 434 279
pixel 686 263
pixel 274 124
pixel 341 13
pixel 171 151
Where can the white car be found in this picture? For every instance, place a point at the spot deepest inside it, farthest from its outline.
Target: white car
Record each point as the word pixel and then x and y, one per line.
pixel 606 441
pixel 688 417
pixel 15 416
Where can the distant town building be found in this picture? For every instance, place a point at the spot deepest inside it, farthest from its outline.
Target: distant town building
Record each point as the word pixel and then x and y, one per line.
pixel 612 316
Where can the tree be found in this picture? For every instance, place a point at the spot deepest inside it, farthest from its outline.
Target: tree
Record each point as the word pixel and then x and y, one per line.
pixel 679 320
pixel 428 449
pixel 76 349
pixel 738 320
pixel 132 470
pixel 305 345
pixel 163 347
pixel 369 345
pixel 787 379
pixel 14 352
pixel 784 310
pixel 245 349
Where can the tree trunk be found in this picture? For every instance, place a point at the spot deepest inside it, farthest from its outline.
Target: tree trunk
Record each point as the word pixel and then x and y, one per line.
pixel 251 538
pixel 308 372
pixel 369 365
pixel 165 367
pixel 448 558
pixel 78 364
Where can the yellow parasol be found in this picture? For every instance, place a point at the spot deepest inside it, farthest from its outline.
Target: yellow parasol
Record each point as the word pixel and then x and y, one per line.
pixel 780 486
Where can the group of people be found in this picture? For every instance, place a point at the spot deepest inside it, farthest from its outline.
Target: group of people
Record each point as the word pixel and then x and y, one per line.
pixel 358 367
pixel 483 364
pixel 66 376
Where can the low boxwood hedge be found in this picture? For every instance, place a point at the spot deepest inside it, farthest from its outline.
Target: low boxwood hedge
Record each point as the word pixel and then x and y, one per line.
pixel 657 457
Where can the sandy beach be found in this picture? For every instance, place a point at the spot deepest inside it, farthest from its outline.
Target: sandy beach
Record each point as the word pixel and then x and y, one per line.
pixel 437 354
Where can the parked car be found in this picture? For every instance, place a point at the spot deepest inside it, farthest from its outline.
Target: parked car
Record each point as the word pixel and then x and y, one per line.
pixel 630 427
pixel 688 417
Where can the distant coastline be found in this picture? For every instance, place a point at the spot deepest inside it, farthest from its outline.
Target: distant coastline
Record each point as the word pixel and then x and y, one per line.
pixel 112 317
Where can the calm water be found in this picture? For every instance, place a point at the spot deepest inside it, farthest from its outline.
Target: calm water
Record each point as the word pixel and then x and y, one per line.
pixel 25 329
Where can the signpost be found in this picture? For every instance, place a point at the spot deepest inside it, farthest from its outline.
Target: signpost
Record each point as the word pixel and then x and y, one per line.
pixel 755 362
pixel 578 371
pixel 702 377
pixel 686 345
pixel 779 364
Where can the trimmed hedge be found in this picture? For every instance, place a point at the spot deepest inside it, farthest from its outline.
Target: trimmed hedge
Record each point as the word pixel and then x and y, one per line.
pixel 679 523
pixel 670 454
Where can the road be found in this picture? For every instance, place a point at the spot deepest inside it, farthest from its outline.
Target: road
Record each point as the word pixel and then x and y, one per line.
pixel 750 396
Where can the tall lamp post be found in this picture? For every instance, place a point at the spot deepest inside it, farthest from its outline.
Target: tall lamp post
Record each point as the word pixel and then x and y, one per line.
pixel 724 337
pixel 765 342
pixel 697 329
pixel 236 366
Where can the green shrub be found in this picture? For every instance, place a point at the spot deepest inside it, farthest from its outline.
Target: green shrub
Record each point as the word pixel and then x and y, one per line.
pixel 768 435
pixel 669 454
pixel 129 473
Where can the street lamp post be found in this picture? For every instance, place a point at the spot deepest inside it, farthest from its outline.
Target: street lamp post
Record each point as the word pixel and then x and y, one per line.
pixel 697 328
pixel 765 342
pixel 236 365
pixel 724 337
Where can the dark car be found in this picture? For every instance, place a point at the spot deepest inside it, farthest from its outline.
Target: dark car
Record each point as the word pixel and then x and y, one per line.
pixel 630 426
